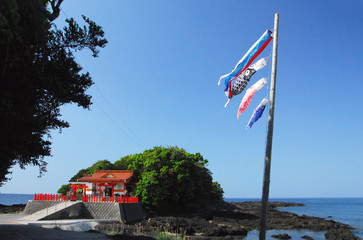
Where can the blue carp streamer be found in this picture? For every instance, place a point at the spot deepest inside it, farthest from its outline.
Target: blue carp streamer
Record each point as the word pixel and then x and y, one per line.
pixel 257 113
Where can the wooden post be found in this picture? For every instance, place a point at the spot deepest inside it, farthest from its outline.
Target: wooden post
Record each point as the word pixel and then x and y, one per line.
pixel 266 177
pixel 99 189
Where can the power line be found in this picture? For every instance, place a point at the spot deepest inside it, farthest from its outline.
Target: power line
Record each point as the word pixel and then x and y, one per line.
pixel 119 117
pixel 63 12
pixel 117 125
pixel 136 139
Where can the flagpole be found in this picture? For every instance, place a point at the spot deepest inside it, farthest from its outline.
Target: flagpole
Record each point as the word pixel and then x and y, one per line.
pixel 266 177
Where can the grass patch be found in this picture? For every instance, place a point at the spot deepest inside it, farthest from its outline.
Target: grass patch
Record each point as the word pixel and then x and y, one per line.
pixel 166 236
pixel 112 233
pixel 15 212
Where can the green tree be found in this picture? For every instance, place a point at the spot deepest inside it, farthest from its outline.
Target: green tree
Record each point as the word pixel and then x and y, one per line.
pixel 99 165
pixel 122 164
pixel 79 175
pixel 64 189
pixel 172 180
pixel 39 74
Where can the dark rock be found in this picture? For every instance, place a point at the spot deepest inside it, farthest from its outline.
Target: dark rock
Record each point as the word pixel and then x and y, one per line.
pixel 240 231
pixel 307 237
pixel 188 231
pixel 117 227
pixel 282 236
pixel 15 208
pixel 235 231
pixel 129 237
pixel 233 219
pixel 340 234
pixel 234 215
pixel 214 231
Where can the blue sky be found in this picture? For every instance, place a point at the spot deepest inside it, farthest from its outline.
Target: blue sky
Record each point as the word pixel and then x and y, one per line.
pixel 156 84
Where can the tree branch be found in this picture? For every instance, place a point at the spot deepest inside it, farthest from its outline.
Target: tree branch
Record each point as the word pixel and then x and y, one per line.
pixel 40 5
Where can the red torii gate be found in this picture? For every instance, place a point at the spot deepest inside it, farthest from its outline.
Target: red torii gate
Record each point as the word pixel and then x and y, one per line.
pixel 105 185
pixel 74 188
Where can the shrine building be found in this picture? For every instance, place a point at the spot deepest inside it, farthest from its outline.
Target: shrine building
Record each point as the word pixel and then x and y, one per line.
pixel 108 183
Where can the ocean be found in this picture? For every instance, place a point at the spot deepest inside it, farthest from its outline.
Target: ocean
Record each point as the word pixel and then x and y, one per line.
pixel 344 210
pixel 12 198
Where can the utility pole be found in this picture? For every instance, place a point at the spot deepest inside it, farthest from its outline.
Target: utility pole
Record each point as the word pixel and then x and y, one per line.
pixel 266 177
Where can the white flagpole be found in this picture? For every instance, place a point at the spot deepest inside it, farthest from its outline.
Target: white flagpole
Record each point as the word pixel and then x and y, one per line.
pixel 266 177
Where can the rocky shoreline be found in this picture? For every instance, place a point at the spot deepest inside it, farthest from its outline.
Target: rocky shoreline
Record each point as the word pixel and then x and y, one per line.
pixel 231 219
pixel 15 208
pixel 225 221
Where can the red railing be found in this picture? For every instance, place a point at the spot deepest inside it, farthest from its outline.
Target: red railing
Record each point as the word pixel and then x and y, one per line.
pixel 85 198
pixel 110 199
pixel 51 197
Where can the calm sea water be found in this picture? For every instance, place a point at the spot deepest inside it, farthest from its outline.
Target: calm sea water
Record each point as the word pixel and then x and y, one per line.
pixel 344 210
pixel 9 198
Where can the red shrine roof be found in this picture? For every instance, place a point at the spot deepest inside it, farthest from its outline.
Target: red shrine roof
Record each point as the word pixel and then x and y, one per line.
pixel 107 176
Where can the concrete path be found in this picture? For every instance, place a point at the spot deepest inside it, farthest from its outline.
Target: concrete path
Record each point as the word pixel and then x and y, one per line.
pixel 13 228
pixel 62 206
pixel 25 232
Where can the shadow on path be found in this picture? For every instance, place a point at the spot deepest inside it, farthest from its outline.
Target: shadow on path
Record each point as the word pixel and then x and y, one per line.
pixel 25 232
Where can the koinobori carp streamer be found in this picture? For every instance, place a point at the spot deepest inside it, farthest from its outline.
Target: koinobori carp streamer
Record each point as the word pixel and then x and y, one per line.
pixel 246 60
pixel 257 113
pixel 246 100
pixel 242 80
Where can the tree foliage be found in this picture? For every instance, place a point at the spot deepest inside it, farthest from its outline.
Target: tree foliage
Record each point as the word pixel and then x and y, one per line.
pixel 64 189
pixel 99 165
pixel 39 74
pixel 171 180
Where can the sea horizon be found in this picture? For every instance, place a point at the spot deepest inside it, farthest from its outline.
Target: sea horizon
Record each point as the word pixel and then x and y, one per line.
pixel 290 197
pixel 347 210
pixel 224 197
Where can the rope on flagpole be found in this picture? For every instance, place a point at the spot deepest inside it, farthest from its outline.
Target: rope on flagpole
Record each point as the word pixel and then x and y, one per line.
pixel 268 57
pixel 269 61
